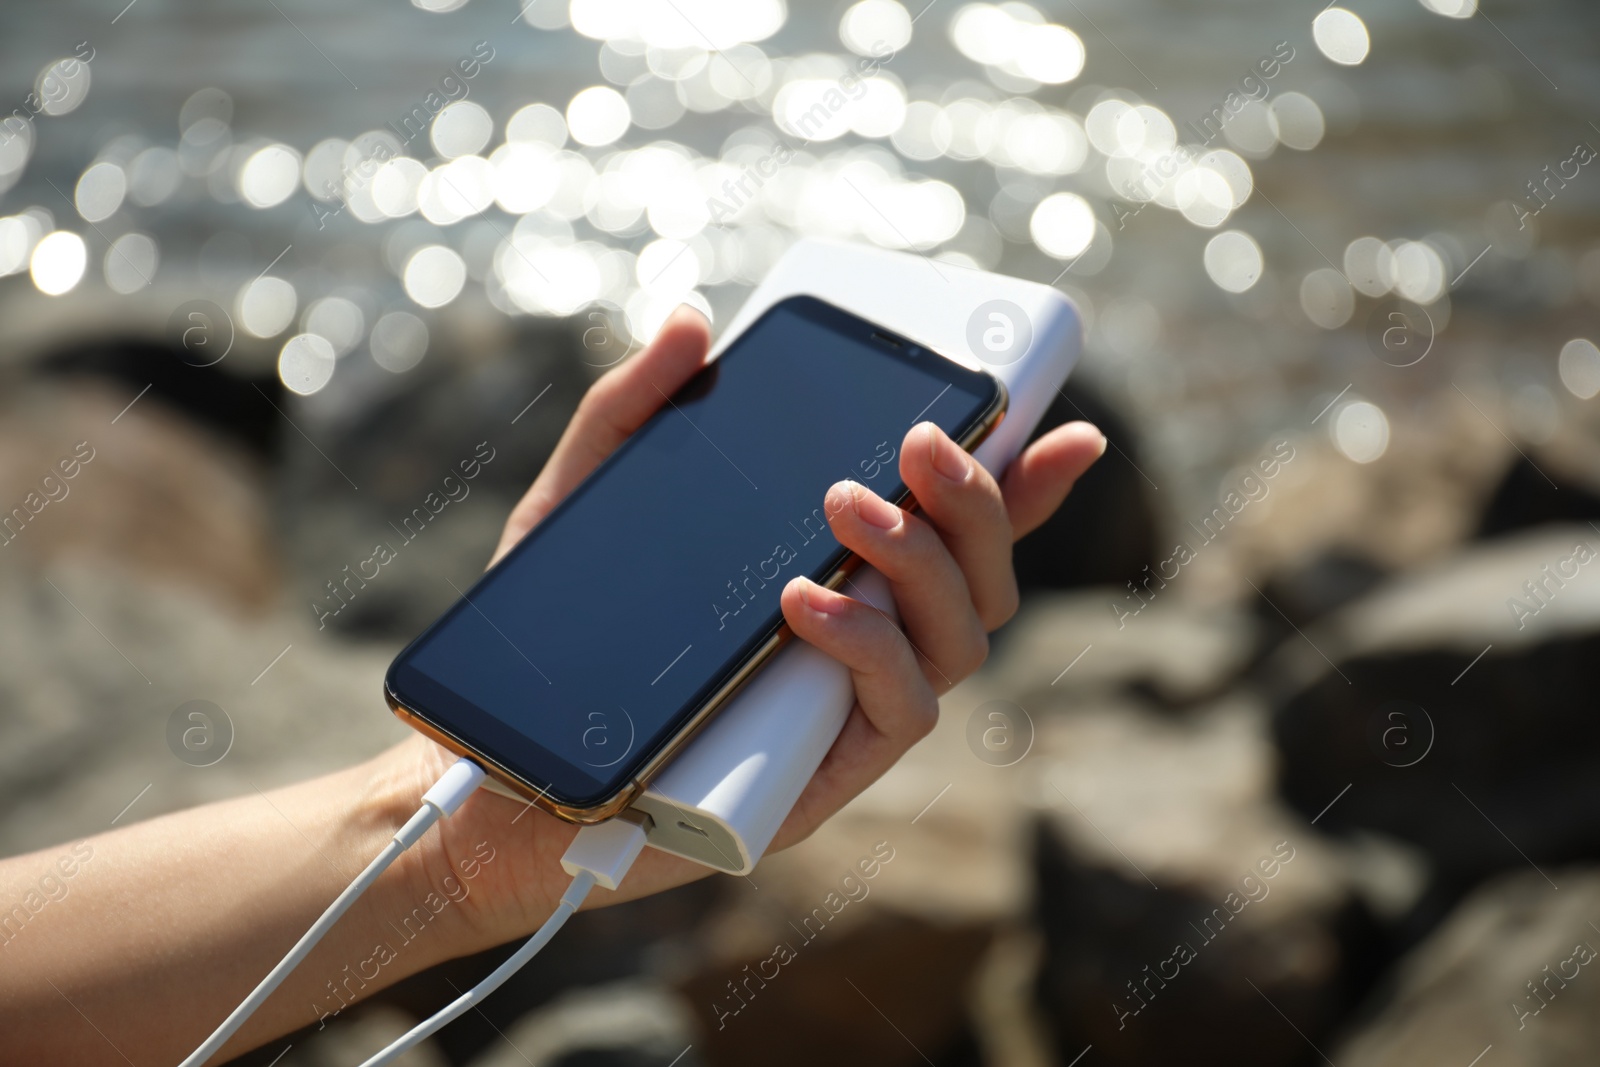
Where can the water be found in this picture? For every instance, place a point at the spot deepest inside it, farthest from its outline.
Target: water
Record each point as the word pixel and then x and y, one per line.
pixel 1432 136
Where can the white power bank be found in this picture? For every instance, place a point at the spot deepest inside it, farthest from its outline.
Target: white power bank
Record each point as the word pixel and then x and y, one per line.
pixel 721 800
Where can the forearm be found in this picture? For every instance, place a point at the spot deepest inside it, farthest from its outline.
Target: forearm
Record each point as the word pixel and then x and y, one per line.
pixel 162 927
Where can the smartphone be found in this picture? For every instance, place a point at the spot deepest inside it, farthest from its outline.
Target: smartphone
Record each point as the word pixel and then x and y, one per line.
pixel 579 664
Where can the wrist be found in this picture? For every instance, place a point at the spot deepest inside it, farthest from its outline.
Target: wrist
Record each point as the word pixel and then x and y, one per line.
pixel 487 875
pixel 411 903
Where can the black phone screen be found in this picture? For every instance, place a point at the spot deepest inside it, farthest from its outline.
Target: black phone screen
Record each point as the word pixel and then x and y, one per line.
pixel 585 649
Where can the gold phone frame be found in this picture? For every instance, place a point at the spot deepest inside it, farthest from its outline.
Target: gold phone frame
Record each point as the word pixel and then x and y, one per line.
pixel 630 790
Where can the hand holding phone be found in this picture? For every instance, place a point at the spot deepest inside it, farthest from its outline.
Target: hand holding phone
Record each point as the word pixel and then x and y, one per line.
pixel 951 569
pixel 594 650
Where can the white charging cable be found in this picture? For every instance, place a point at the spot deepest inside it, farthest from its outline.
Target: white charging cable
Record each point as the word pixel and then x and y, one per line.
pixel 600 855
pixel 441 800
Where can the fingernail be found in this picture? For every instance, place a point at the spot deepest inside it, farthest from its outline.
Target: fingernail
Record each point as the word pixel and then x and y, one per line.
pixel 823 601
pixel 947 457
pixel 870 506
pixel 1097 431
pixel 838 499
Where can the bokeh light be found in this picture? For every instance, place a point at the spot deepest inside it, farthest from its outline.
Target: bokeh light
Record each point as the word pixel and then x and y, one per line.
pixel 1038 141
pixel 875 27
pixel 399 341
pixel 1233 170
pixel 1326 298
pixel 1233 260
pixel 1361 431
pixel 1418 272
pixel 153 176
pixel 323 169
pixel 130 263
pixel 460 129
pixel 1297 121
pixel 1062 225
pixel 396 186
pixel 1252 129
pixel 62 87
pixel 270 176
pixel 19 234
pixel 1341 36
pixel 539 123
pixel 1015 39
pixel 679 24
pixel 336 320
pixel 306 363
pixel 667 267
pixel 265 306
pixel 1454 9
pixel 598 116
pixel 1579 367
pixel 100 191
pixel 1049 54
pixel 546 278
pixel 58 262
pixel 1204 197
pixel 16 145
pixel 457 190
pixel 525 176
pixel 434 275
pixel 654 104
pixel 1369 265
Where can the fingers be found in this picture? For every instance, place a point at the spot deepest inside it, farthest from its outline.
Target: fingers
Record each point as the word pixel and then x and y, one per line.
pixel 895 707
pixel 962 502
pixel 929 587
pixel 975 521
pixel 1039 480
pixel 897 700
pixel 616 405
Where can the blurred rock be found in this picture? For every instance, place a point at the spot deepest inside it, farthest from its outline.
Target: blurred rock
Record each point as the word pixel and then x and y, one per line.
pixel 360 1033
pixel 1106 531
pixel 495 411
pixel 891 988
pixel 1526 497
pixel 626 1024
pixel 1010 1029
pixel 1410 507
pixel 1440 715
pixel 157 496
pixel 1169 649
pixel 150 583
pixel 1507 969
pixel 1104 793
pixel 637 950
pixel 96 662
pixel 225 398
pixel 1168 881
pixel 1315 587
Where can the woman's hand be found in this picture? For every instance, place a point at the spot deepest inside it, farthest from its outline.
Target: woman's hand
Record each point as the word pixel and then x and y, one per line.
pixel 950 568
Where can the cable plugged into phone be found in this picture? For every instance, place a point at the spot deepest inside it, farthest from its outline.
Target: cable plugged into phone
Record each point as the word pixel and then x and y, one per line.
pixel 441 800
